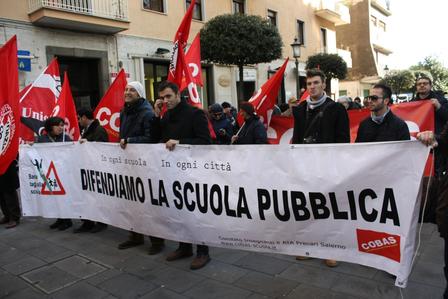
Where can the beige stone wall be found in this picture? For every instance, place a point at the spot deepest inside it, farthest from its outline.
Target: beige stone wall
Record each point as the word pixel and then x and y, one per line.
pixel 14 10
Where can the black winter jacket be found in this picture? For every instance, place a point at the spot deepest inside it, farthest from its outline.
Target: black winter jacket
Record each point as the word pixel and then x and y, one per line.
pixel 392 128
pixel 252 132
pixel 95 132
pixel 185 123
pixel 135 122
pixel 332 127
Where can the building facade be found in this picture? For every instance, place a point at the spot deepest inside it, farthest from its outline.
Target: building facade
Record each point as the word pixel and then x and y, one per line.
pixel 93 39
pixel 367 39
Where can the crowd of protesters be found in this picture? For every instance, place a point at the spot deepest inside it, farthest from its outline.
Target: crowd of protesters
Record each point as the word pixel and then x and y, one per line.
pixel 318 119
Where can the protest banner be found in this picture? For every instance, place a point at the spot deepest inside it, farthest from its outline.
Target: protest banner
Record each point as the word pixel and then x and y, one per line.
pixel 332 201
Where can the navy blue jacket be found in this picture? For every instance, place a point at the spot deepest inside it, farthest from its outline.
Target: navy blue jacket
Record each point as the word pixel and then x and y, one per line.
pixel 135 122
pixel 222 124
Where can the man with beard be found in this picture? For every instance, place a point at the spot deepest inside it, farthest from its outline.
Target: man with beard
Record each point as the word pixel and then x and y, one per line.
pixel 383 124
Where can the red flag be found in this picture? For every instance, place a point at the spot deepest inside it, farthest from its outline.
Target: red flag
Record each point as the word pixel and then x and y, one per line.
pixel 66 109
pixel 266 97
pixel 193 60
pixel 9 104
pixel 38 100
pixel 108 109
pixel 180 41
pixel 193 93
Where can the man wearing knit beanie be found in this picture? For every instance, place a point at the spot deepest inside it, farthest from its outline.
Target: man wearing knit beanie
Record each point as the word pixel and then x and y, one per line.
pixel 135 127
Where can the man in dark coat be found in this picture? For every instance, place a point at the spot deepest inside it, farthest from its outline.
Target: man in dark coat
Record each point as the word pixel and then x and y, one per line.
pixel 135 127
pixel 222 125
pixel 92 131
pixel 252 130
pixel 9 201
pixel 423 87
pixel 181 124
pixel 319 119
pixel 382 124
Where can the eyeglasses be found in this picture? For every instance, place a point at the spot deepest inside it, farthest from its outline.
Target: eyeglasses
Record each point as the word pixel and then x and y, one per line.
pixel 373 98
pixel 422 83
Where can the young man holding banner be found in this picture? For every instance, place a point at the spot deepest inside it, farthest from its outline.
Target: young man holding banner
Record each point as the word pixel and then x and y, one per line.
pixel 181 124
pixel 319 120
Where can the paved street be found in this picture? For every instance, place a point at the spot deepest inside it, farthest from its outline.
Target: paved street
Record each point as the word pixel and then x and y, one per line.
pixel 36 262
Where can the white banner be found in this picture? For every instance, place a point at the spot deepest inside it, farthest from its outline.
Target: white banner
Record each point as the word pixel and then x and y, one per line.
pixel 348 202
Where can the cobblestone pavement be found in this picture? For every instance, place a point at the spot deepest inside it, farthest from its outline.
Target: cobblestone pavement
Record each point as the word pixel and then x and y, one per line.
pixel 36 262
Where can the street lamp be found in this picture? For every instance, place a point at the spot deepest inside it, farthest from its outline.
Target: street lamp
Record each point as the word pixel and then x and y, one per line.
pixel 296 54
pixel 386 69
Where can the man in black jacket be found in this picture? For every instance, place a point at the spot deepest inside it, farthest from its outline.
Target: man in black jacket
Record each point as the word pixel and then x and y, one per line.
pixel 135 127
pixel 382 124
pixel 424 93
pixel 92 131
pixel 319 120
pixel 181 124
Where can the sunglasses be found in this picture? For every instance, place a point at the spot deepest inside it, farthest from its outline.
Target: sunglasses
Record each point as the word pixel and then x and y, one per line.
pixel 373 98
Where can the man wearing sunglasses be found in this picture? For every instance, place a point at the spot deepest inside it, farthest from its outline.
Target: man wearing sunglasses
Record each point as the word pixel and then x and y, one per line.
pixel 382 125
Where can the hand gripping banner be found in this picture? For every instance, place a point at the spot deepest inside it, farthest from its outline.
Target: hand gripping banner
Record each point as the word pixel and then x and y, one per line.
pixel 332 201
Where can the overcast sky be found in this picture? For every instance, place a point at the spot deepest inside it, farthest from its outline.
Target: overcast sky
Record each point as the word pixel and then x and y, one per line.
pixel 418 29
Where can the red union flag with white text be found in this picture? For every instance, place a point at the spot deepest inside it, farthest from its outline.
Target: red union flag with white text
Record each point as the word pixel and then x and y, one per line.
pixel 9 104
pixel 108 110
pixel 38 100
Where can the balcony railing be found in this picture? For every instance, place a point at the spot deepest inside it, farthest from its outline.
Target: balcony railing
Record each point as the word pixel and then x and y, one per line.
pixel 109 9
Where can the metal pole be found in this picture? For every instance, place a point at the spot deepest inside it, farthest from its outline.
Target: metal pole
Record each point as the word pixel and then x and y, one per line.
pixel 297 80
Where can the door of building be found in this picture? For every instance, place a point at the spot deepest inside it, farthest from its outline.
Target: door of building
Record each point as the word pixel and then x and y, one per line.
pixel 83 74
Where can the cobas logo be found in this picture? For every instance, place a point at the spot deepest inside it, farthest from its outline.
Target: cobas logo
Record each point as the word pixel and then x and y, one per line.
pixel 379 243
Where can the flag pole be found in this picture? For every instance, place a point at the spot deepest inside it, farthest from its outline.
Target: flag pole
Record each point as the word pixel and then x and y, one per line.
pixel 32 84
pixel 238 133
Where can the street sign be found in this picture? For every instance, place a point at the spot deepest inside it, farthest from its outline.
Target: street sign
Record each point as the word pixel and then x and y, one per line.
pixel 24 60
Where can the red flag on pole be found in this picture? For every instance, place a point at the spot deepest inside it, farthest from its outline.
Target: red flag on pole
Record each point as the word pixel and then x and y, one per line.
pixel 266 97
pixel 9 104
pixel 66 109
pixel 108 109
pixel 193 61
pixel 38 100
pixel 180 41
